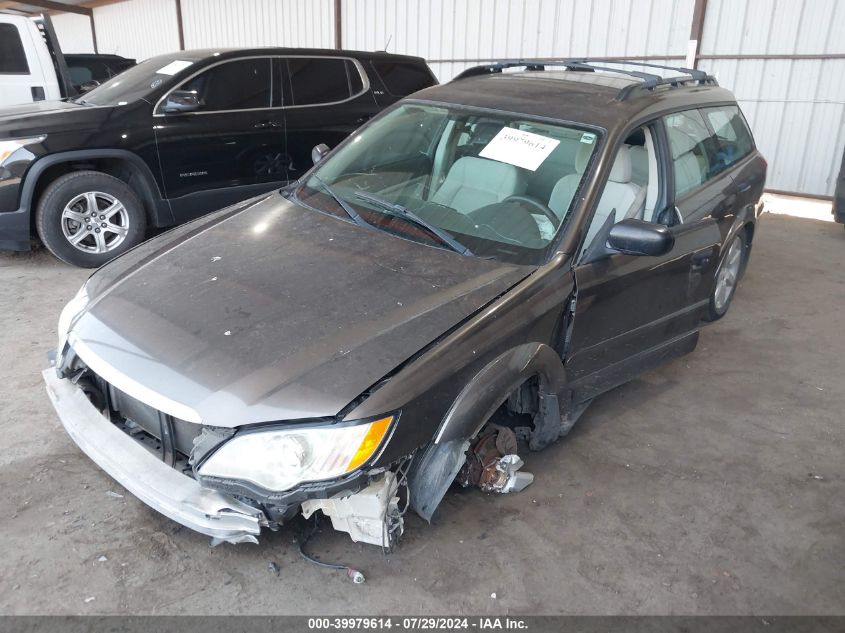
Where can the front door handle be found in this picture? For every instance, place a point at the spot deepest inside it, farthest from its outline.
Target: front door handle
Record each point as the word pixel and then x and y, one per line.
pixel 363 119
pixel 700 260
pixel 263 125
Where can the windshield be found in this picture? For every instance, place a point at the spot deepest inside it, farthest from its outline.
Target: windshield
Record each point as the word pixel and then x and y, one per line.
pixel 483 184
pixel 134 83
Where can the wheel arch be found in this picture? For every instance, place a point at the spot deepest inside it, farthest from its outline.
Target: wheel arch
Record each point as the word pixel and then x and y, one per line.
pixel 121 164
pixel 435 466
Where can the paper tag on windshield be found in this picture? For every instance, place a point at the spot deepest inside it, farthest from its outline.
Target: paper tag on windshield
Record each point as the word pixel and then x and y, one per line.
pixel 522 149
pixel 174 67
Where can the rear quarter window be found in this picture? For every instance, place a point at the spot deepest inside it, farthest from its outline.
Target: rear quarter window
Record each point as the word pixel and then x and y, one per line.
pixel 12 55
pixel 402 78
pixel 733 138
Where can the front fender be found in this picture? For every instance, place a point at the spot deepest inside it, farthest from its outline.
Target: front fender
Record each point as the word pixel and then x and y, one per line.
pixel 495 382
pixel 435 466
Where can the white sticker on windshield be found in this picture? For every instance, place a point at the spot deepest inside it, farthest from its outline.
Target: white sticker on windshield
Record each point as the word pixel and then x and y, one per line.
pixel 523 149
pixel 588 137
pixel 173 67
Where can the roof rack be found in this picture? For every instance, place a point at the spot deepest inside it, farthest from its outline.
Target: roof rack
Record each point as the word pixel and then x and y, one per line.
pixel 648 81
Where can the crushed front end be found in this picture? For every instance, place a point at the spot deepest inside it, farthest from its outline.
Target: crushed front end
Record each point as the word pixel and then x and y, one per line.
pixel 227 483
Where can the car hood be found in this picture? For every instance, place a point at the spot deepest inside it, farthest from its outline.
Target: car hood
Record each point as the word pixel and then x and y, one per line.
pixel 43 117
pixel 273 312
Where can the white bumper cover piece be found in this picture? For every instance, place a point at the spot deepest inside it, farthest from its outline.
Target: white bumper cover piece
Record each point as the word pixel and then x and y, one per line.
pixel 161 487
pixel 369 516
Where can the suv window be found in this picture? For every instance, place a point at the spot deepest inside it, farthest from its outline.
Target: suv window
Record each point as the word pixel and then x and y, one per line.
pixel 12 56
pixel 315 80
pixel 402 78
pixel 733 137
pixel 632 188
pixel 241 84
pixel 688 140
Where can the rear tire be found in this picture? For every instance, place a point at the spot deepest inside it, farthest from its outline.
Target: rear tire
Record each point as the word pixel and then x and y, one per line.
pixel 728 273
pixel 86 218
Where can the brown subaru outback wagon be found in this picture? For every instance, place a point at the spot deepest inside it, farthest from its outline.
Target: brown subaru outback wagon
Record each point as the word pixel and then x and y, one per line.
pixel 446 289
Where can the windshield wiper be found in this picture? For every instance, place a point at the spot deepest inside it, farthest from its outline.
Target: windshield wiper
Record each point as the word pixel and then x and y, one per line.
pixel 409 215
pixel 352 213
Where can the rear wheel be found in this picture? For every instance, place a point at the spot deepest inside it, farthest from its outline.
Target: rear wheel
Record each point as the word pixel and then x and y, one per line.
pixel 87 218
pixel 727 276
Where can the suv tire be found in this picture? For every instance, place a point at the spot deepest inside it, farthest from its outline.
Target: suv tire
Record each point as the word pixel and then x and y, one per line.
pixel 86 218
pixel 728 274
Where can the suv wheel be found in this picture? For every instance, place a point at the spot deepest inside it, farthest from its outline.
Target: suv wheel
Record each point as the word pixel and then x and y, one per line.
pixel 87 218
pixel 727 277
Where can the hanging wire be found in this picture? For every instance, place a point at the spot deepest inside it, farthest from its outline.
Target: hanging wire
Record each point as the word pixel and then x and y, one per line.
pixel 353 574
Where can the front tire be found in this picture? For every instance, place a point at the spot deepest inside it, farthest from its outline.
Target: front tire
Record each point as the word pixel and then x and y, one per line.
pixel 727 276
pixel 86 218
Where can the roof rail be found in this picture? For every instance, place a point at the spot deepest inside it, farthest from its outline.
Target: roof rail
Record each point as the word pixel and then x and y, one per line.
pixel 649 81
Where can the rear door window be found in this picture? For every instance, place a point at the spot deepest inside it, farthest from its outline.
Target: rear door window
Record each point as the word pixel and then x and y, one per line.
pixel 733 138
pixel 689 139
pixel 12 55
pixel 319 80
pixel 243 84
pixel 402 78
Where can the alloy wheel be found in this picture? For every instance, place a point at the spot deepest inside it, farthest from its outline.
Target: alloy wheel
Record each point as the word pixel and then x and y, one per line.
pixel 728 275
pixel 95 222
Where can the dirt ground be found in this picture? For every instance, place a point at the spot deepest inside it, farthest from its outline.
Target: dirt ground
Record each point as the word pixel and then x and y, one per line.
pixel 713 485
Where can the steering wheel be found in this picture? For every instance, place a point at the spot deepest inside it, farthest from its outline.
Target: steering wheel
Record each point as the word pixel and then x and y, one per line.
pixel 539 206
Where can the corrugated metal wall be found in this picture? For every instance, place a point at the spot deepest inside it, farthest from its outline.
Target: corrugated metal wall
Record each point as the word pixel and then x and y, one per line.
pixel 209 23
pixel 476 30
pixel 74 32
pixel 137 28
pixel 795 106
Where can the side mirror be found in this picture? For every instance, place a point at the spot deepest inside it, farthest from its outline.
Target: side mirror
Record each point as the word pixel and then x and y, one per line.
pixel 319 152
pixel 181 101
pixel 88 86
pixel 637 237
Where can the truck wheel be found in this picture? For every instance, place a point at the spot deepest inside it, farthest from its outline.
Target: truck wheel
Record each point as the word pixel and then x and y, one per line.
pixel 87 218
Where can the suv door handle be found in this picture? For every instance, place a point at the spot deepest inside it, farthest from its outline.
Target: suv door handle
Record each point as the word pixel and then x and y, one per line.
pixel 363 119
pixel 261 125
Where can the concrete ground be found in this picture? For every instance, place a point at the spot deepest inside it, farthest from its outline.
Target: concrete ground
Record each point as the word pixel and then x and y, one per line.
pixel 713 485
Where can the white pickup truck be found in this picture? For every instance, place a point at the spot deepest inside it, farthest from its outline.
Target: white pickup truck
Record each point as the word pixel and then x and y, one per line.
pixel 27 69
pixel 33 67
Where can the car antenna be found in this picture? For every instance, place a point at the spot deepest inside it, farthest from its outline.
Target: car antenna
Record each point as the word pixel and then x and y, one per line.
pixel 390 37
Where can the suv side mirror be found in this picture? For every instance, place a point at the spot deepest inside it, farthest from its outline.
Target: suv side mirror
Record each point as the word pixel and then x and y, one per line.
pixel 319 152
pixel 181 101
pixel 637 237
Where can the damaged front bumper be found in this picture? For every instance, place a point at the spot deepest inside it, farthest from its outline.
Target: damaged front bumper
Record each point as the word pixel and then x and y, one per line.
pixel 160 486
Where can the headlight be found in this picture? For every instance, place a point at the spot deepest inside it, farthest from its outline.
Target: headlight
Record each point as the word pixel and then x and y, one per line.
pixel 69 313
pixel 281 459
pixel 7 148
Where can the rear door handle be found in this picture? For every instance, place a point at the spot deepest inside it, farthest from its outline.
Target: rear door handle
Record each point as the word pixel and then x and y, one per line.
pixel 262 125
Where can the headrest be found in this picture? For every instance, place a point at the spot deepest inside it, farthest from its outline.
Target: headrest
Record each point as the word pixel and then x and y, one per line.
pixel 621 170
pixel 679 142
pixel 582 157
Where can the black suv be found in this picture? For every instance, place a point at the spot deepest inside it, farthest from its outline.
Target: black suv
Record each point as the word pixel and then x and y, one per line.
pixel 468 270
pixel 178 136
